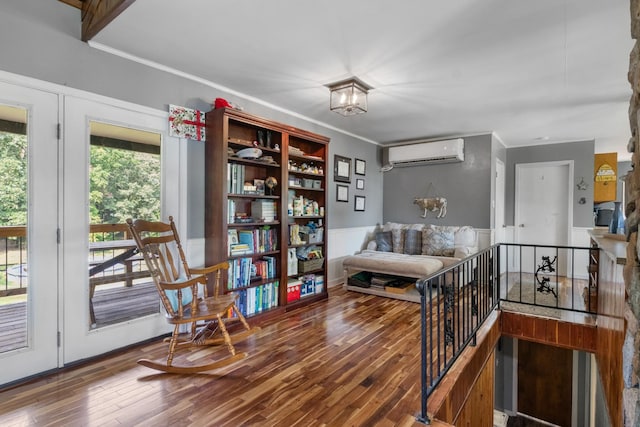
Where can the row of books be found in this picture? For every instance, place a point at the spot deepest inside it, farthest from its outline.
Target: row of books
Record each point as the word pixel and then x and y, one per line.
pixel 258 240
pixel 256 300
pixel 244 270
pixel 235 178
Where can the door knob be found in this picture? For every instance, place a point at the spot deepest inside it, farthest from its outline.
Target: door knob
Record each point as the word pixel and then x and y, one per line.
pixel 521 225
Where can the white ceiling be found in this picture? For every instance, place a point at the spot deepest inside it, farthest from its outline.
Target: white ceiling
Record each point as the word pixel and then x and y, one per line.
pixel 533 72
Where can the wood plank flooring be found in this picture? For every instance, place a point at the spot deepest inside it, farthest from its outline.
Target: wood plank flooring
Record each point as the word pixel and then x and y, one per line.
pixel 352 360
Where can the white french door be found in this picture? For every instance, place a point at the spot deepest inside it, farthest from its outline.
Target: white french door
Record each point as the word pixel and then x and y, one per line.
pixel 38 351
pixel 80 339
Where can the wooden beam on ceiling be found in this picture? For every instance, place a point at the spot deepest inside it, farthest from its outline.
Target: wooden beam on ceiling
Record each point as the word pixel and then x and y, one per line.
pixel 97 14
pixel 75 3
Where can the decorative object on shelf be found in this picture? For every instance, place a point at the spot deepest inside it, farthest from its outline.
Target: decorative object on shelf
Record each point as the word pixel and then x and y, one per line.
pixel 359 203
pixel 582 185
pixel 341 168
pixel 616 226
pixel 546 266
pixel 186 123
pixel 270 183
pixel 249 153
pixel 342 193
pixel 359 184
pixel 432 204
pixel 223 103
pixel 349 97
pixel 360 167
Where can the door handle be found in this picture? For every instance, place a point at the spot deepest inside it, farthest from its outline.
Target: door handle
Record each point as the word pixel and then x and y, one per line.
pixel 521 226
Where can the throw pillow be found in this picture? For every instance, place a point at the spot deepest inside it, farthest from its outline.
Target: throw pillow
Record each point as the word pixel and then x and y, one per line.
pixel 438 240
pixel 384 241
pixel 413 242
pixel 398 240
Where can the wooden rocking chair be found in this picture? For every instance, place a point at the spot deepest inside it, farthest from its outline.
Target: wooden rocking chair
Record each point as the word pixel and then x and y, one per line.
pixel 183 292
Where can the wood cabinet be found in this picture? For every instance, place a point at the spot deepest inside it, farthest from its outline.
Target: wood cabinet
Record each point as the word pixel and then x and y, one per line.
pixel 261 213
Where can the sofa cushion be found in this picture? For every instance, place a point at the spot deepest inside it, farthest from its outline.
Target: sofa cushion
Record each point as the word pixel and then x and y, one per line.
pixel 438 240
pixel 416 266
pixel 412 242
pixel 384 241
pixel 466 237
pixel 398 231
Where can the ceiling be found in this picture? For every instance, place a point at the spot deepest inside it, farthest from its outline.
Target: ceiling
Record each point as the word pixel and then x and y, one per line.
pixel 532 72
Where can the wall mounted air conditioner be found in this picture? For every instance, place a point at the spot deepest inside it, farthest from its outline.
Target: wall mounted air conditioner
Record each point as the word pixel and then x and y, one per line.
pixel 451 150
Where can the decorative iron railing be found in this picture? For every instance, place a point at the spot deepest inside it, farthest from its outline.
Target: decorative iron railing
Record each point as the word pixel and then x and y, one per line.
pixel 551 278
pixel 456 301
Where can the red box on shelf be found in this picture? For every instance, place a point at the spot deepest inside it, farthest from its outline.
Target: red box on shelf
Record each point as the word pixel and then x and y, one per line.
pixel 293 291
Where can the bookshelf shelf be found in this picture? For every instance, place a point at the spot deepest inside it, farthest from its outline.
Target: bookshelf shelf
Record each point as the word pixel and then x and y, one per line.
pixel 227 180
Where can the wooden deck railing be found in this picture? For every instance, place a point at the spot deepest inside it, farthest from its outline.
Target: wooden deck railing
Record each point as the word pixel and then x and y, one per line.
pixel 13 253
pixel 13 260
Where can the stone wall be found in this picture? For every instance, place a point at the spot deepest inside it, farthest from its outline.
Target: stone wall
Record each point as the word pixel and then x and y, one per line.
pixel 631 363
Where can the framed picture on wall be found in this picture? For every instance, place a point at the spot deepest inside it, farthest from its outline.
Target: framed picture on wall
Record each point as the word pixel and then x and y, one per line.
pixel 359 203
pixel 359 184
pixel 342 193
pixel 361 167
pixel 341 168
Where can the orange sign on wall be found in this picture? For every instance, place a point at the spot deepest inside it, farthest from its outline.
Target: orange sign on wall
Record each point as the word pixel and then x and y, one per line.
pixel 606 177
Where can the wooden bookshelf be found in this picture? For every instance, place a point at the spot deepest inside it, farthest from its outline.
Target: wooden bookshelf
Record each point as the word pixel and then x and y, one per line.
pixel 289 156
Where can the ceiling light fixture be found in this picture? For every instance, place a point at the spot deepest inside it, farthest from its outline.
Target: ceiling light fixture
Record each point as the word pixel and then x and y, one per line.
pixel 349 97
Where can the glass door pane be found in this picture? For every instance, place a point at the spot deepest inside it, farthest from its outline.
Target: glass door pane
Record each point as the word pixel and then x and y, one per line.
pixel 28 232
pixel 13 228
pixel 124 182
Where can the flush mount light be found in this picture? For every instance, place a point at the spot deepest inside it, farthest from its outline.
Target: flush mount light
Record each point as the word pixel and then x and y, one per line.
pixel 349 97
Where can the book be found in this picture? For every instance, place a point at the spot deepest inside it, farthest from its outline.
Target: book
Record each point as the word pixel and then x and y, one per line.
pixel 240 249
pixel 246 237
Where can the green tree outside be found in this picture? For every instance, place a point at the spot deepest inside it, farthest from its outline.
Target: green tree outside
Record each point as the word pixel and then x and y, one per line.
pixel 123 183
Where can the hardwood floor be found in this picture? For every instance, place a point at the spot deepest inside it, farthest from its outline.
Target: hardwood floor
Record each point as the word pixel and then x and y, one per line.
pixel 352 360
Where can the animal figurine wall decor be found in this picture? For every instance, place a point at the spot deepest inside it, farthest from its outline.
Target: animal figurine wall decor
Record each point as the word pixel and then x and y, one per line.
pixel 432 204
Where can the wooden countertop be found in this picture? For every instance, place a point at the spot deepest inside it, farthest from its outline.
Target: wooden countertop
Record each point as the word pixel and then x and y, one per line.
pixel 614 245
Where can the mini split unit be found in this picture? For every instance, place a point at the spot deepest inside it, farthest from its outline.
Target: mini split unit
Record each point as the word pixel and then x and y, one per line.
pixel 422 153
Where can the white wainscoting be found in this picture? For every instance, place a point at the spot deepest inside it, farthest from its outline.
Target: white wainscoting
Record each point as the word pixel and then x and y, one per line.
pixel 342 242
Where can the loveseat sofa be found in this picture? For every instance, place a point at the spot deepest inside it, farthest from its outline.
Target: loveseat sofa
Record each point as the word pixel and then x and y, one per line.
pixel 411 250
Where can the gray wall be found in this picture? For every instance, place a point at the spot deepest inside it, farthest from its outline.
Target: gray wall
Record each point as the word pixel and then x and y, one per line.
pixel 467 186
pixel 41 39
pixel 582 155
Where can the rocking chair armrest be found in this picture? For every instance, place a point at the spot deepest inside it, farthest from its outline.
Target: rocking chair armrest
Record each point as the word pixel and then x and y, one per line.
pixel 213 268
pixel 174 286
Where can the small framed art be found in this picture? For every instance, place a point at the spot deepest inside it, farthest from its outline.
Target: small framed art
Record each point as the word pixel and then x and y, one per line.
pixel 342 193
pixel 361 167
pixel 359 203
pixel 359 184
pixel 342 168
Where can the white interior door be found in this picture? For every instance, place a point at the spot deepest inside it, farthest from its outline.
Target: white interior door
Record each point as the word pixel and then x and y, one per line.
pixel 38 351
pixel 80 339
pixel 544 211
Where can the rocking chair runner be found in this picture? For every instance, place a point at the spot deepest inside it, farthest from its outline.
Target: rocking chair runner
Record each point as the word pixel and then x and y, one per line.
pixel 183 292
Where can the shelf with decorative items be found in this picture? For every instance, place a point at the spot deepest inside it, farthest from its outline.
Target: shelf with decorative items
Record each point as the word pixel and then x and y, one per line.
pixel 246 206
pixel 306 210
